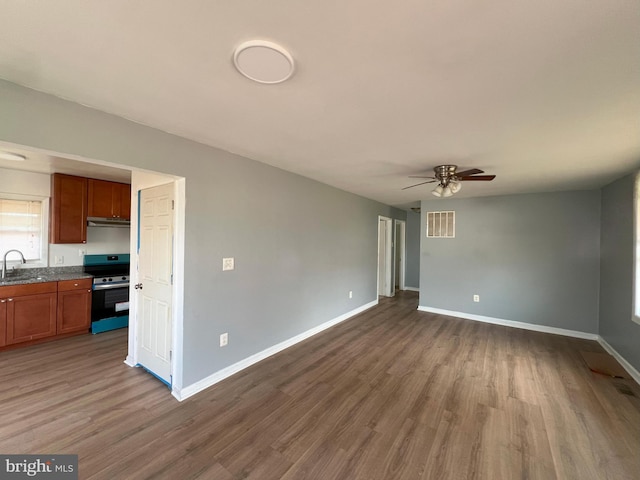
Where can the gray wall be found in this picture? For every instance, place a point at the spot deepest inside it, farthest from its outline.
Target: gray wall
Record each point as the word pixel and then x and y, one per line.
pixel 299 245
pixel 616 270
pixel 412 274
pixel 531 258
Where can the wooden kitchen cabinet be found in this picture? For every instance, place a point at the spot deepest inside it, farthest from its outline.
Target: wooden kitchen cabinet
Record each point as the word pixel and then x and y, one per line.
pixel 29 311
pixel 74 305
pixel 109 199
pixel 68 209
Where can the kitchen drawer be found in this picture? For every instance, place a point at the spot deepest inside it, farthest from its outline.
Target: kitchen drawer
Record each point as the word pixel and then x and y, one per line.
pixel 28 289
pixel 76 284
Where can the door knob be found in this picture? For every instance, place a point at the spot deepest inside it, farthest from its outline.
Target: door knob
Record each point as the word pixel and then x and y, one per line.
pixel 138 286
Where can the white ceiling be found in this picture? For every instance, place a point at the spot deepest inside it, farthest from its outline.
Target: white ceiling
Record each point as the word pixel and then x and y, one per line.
pixel 44 162
pixel 544 94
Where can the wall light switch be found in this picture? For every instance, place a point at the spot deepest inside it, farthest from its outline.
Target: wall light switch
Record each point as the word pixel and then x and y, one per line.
pixel 228 264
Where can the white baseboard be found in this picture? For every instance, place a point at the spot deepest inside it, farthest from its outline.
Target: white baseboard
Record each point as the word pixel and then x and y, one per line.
pixel 512 323
pixel 626 365
pixel 412 289
pixel 189 390
pixel 129 361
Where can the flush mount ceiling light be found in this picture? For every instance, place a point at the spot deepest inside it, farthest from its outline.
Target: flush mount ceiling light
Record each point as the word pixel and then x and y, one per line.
pixel 263 61
pixel 14 157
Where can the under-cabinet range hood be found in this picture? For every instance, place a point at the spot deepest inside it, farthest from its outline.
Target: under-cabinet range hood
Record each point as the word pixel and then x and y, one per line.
pixel 108 222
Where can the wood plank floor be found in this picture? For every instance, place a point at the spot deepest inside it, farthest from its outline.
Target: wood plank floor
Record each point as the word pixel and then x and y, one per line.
pixel 390 394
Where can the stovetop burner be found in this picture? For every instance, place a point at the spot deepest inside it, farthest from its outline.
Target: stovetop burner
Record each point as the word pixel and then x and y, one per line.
pixel 113 279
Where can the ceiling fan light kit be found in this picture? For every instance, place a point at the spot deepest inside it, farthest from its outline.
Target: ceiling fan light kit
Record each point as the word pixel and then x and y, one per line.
pixel 455 187
pixel 449 179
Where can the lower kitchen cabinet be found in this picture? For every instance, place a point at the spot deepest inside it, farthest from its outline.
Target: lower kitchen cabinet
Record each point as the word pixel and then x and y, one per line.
pixel 30 311
pixel 74 305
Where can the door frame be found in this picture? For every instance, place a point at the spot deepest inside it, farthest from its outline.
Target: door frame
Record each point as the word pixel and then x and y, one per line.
pixel 388 258
pixel 401 246
pixel 141 181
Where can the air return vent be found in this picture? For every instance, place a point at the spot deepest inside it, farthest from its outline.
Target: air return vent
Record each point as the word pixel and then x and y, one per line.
pixel 441 224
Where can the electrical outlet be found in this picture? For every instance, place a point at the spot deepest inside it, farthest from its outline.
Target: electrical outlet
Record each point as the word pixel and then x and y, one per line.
pixel 350 294
pixel 59 259
pixel 82 253
pixel 476 298
pixel 224 339
pixel 227 264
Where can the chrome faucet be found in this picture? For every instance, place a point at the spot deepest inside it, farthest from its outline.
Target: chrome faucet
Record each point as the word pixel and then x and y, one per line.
pixel 4 261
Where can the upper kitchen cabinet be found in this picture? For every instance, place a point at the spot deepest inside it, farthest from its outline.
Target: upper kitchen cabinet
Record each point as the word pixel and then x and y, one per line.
pixel 68 209
pixel 109 199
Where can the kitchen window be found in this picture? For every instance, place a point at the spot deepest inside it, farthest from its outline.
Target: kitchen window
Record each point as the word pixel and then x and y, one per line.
pixel 24 227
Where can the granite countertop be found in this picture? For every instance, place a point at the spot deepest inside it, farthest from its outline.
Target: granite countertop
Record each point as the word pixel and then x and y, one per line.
pixel 40 275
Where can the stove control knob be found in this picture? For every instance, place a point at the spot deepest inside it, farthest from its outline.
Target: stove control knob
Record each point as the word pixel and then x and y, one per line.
pixel 104 279
pixel 124 278
pixel 111 279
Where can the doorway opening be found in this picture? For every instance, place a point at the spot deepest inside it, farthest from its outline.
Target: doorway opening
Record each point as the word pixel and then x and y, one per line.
pixel 121 239
pixel 151 320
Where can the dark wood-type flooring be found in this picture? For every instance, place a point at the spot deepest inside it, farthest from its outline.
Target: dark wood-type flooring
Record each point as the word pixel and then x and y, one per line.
pixel 390 394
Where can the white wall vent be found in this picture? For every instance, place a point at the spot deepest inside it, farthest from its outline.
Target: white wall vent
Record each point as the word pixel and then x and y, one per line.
pixel 441 224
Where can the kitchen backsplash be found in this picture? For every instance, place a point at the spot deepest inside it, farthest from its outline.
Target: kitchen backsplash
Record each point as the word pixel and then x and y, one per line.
pixel 100 240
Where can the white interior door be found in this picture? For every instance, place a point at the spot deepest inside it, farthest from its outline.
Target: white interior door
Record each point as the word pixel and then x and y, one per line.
pixel 382 248
pixel 399 248
pixel 154 287
pixel 385 259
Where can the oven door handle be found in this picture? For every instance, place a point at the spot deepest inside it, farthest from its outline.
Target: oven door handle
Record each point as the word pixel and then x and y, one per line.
pixel 110 286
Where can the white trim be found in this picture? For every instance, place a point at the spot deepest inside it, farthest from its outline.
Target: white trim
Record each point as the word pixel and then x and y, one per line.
pixel 132 344
pixel 189 390
pixel 411 289
pixel 512 323
pixel 626 365
pixel 178 282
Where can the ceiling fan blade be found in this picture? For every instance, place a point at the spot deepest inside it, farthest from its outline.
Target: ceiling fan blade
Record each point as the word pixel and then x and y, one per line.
pixel 471 171
pixel 482 178
pixel 417 184
pixel 421 176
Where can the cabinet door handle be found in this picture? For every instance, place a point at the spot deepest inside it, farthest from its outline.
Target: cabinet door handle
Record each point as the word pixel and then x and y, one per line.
pixel 75 284
pixel 9 299
pixel 3 301
pixel 138 286
pixel 89 290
